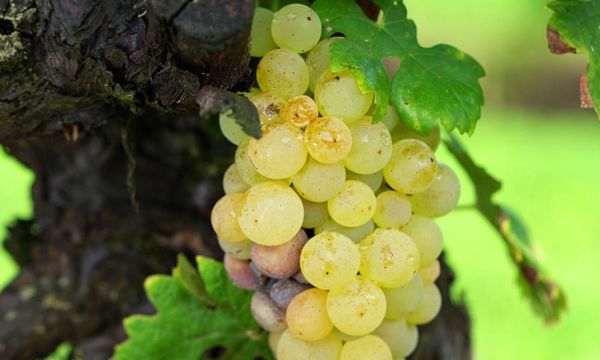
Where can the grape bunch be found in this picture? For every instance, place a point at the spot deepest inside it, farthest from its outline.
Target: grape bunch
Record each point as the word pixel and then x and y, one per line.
pixel 328 216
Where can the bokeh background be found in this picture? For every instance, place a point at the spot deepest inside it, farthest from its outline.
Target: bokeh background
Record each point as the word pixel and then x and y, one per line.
pixel 535 139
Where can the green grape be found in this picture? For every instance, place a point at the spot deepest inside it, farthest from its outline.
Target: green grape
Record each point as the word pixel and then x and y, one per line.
pixel 272 214
pixel 430 273
pixel 292 348
pixel 306 315
pixel 279 153
pixel 296 27
pixel 427 236
pixel 355 234
pixel 353 205
pixel 283 73
pixel 244 165
pixel 319 182
pixel 231 129
pixel 224 217
pixel 300 110
pixel 329 139
pixel 261 40
pixel 338 94
pixel 399 336
pixel 374 180
pixel 402 132
pixel 441 197
pixel 315 214
pixel 269 108
pixel 392 211
pixel 428 307
pixel 237 249
pixel 329 260
pixel 412 168
pixel 357 308
pixel 371 147
pixel 404 299
pixel 368 347
pixel 343 336
pixel 390 119
pixel 389 258
pixel 318 60
pixel 274 341
pixel 233 182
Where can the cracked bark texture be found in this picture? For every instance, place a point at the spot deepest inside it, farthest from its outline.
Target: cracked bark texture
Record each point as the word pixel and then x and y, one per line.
pixel 97 98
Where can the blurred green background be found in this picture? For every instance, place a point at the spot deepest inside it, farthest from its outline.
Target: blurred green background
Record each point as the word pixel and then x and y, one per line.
pixel 532 136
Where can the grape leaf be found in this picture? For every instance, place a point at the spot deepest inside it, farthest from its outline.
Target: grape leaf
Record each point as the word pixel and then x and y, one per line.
pixel 547 298
pixel 578 22
pixel 195 313
pixel 433 85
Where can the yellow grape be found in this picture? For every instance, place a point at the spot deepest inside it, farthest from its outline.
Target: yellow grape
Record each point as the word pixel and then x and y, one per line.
pixel 244 165
pixel 296 27
pixel 329 139
pixel 390 119
pixel 374 180
pixel 231 129
pixel 283 73
pixel 441 197
pixel 306 315
pixel 357 308
pixel 399 336
pixel 318 61
pixel 279 153
pixel 404 299
pixel 402 132
pixel 354 205
pixel 338 94
pixel 269 108
pixel 300 110
pixel 368 347
pixel 329 260
pixel 355 234
pixel 319 182
pixel 292 348
pixel 430 273
pixel 233 182
pixel 427 236
pixel 315 214
pixel 272 214
pixel 393 210
pixel 389 258
pixel 428 307
pixel 237 249
pixel 412 168
pixel 371 147
pixel 224 217
pixel 274 341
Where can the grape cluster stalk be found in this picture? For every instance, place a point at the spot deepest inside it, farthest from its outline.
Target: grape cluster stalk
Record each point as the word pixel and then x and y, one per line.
pixel 328 216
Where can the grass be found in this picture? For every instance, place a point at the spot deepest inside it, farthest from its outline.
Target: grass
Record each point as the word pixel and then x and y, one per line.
pixel 549 168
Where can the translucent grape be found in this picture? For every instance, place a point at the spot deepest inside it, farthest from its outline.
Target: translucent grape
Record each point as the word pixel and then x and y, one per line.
pixel 338 94
pixel 427 236
pixel 231 129
pixel 399 336
pixel 319 182
pixel 296 27
pixel 244 165
pixel 353 205
pixel 357 308
pixel 428 307
pixel 318 60
pixel 390 119
pixel 412 168
pixel 374 180
pixel 368 347
pixel 266 313
pixel 306 315
pixel 401 132
pixel 237 249
pixel 389 258
pixel 261 40
pixel 355 234
pixel 329 139
pixel 315 214
pixel 329 260
pixel 371 147
pixel 393 210
pixel 283 73
pixel 404 299
pixel 300 110
pixel 233 182
pixel 239 272
pixel 269 108
pixel 279 153
pixel 224 217
pixel 441 197
pixel 292 348
pixel 280 261
pixel 272 214
pixel 430 273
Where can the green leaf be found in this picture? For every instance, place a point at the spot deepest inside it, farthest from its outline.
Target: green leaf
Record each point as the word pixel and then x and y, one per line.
pixel 433 85
pixel 578 22
pixel 547 298
pixel 193 318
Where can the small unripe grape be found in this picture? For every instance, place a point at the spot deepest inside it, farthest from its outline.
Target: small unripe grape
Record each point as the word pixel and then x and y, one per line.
pixel 260 35
pixel 318 60
pixel 224 217
pixel 306 315
pixel 231 129
pixel 233 182
pixel 315 214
